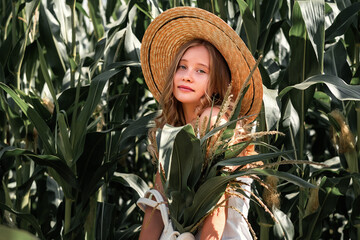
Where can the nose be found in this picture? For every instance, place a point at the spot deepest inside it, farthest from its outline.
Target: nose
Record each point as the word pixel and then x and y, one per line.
pixel 187 77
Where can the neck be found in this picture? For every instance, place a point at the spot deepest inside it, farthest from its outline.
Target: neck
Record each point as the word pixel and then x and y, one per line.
pixel 189 112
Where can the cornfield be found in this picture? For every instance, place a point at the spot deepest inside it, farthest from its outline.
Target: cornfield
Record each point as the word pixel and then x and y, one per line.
pixel 75 111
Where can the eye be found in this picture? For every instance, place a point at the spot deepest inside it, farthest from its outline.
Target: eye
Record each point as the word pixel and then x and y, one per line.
pixel 201 71
pixel 181 66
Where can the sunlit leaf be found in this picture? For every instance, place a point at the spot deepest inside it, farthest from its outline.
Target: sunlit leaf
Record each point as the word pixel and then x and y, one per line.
pixel 313 13
pixel 133 181
pixel 337 86
pixel 303 61
pixel 283 227
pixel 50 31
pixel 272 109
pixel 15 234
pixel 27 217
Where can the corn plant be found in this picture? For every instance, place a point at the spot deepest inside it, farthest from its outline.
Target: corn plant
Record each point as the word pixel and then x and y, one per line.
pixel 307 83
pixel 67 77
pixel 74 112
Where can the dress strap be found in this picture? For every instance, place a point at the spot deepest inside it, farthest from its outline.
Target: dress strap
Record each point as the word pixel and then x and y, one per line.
pixel 159 204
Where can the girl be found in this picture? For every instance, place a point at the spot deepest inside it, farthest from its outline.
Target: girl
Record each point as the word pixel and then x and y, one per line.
pixel 205 56
pixel 192 84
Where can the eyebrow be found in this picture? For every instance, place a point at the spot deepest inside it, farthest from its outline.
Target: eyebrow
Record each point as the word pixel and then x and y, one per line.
pixel 184 60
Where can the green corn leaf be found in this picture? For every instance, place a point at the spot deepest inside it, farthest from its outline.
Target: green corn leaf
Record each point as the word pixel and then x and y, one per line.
pixel 313 13
pixel 207 5
pixel 238 106
pixel 80 125
pixel 187 154
pixel 15 120
pixel 355 214
pixel 44 70
pixel 283 227
pixel 67 98
pixel 336 62
pixel 55 47
pixel 27 217
pixel 165 138
pixel 303 61
pixel 328 199
pixel 342 21
pixel 282 175
pixel 44 160
pixel 64 142
pixel 62 13
pixel 90 168
pixel 25 187
pixel 133 181
pixel 90 222
pixel 42 128
pixel 131 44
pixel 269 9
pixel 336 85
pixel 36 103
pixel 81 9
pixel 30 9
pixel 5 51
pixel 136 128
pixel 15 234
pixel 95 91
pixel 7 200
pixel 177 144
pixel 94 11
pixel 96 180
pixel 205 198
pixel 250 25
pixel 234 150
pixel 239 161
pixel 271 107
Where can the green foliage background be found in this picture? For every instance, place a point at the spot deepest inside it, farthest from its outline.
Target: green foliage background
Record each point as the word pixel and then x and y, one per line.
pixel 74 113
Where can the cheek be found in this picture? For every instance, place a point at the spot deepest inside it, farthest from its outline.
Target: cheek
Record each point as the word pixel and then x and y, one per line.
pixel 206 86
pixel 176 78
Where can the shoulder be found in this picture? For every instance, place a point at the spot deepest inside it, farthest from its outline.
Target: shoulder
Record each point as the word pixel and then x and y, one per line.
pixel 214 111
pixel 210 113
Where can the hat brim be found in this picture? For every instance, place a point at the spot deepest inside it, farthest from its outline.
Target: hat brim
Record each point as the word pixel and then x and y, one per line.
pixel 177 26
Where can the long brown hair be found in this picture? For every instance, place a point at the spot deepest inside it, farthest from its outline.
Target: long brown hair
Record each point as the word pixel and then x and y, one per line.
pixel 172 112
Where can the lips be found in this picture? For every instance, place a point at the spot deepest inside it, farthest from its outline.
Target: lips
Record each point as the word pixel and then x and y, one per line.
pixel 186 88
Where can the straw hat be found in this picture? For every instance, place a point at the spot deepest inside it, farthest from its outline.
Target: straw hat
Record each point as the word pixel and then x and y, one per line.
pixel 175 27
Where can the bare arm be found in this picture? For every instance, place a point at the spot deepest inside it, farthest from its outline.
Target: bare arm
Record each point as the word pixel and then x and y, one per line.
pixel 214 224
pixel 152 225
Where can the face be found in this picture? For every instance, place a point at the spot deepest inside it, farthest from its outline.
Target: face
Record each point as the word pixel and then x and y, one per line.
pixel 192 76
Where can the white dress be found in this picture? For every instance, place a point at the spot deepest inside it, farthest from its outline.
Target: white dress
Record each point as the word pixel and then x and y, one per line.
pixel 236 227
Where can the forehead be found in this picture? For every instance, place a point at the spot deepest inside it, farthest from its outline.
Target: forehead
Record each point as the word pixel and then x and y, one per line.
pixel 197 53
